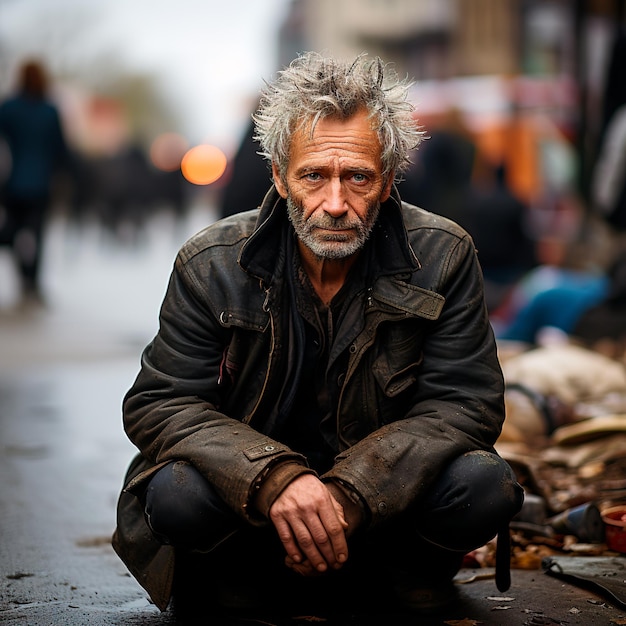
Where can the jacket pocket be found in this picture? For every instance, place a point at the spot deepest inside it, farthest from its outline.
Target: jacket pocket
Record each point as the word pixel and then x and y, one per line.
pixel 399 356
pixel 411 299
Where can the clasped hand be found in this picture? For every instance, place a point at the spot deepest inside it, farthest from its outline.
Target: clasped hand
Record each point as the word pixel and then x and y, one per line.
pixel 311 526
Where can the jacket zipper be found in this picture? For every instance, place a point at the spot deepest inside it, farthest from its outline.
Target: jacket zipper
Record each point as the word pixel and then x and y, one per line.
pixel 266 308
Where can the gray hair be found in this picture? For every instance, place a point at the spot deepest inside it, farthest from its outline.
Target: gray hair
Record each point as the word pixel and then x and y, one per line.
pixel 313 87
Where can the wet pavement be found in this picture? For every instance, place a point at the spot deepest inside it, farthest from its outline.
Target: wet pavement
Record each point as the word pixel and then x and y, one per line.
pixel 63 371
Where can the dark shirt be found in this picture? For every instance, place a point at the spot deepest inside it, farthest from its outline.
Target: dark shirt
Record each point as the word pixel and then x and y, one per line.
pixel 312 426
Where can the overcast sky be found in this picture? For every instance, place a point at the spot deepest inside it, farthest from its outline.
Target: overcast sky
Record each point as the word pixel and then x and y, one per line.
pixel 209 56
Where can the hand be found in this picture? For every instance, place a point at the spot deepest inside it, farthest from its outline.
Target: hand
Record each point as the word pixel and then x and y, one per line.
pixel 311 525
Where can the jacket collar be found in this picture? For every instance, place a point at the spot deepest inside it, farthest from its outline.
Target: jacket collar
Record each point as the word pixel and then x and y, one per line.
pixel 262 252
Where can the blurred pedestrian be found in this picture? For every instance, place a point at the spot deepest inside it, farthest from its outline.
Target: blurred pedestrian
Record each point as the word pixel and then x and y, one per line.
pixel 497 220
pixel 30 124
pixel 603 326
pixel 249 178
pixel 441 175
pixel 547 301
pixel 318 410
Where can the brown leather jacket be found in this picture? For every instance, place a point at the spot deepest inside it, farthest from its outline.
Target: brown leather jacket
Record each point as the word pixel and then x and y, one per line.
pixel 422 383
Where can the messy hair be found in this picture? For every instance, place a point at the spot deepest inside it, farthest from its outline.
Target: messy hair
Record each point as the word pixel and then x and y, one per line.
pixel 313 87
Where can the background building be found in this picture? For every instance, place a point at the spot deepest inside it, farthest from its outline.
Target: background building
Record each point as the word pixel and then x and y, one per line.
pixel 558 47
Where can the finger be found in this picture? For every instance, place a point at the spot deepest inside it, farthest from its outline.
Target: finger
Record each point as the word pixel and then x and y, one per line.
pixel 304 569
pixel 300 536
pixel 321 539
pixel 313 543
pixel 311 523
pixel 288 540
pixel 333 544
pixel 340 513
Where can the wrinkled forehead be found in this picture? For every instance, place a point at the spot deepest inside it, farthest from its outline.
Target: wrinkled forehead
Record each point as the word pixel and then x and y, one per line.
pixel 353 134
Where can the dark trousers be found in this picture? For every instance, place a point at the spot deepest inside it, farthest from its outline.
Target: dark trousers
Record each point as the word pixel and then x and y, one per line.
pixel 472 500
pixel 23 231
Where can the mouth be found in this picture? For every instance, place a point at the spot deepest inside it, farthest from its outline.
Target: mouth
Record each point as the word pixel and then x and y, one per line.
pixel 335 234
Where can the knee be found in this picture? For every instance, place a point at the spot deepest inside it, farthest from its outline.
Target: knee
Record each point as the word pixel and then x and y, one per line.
pixel 182 508
pixel 474 498
pixel 485 482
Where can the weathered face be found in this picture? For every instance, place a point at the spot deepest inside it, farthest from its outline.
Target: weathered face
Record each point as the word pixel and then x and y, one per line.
pixel 334 185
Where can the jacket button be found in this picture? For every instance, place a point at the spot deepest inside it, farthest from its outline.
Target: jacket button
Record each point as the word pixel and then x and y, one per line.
pixel 268 448
pixel 382 508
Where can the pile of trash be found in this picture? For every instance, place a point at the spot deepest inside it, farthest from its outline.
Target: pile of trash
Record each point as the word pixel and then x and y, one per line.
pixel 565 438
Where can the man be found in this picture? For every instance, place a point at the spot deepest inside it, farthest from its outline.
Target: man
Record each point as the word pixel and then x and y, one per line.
pixel 31 127
pixel 318 408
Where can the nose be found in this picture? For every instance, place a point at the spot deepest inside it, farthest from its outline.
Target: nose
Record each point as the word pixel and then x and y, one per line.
pixel 335 203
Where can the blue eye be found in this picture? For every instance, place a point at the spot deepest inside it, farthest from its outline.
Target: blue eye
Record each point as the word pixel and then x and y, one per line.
pixel 359 178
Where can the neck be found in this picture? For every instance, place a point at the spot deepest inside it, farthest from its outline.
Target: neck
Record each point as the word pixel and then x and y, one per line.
pixel 326 275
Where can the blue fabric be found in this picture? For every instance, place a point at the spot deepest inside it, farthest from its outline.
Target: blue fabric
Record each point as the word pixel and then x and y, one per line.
pixel 557 307
pixel 32 130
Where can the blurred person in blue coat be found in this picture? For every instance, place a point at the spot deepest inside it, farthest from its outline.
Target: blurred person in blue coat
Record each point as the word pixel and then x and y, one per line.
pixel 31 127
pixel 548 301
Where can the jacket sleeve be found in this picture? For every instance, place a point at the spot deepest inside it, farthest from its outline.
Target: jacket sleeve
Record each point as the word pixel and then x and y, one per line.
pixel 172 410
pixel 457 403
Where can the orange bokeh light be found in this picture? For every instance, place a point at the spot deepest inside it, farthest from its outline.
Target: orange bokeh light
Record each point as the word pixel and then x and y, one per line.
pixel 203 164
pixel 167 151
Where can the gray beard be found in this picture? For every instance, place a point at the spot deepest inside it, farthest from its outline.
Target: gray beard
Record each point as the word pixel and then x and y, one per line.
pixel 331 246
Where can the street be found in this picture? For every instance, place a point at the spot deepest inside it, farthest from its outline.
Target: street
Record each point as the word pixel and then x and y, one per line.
pixel 64 369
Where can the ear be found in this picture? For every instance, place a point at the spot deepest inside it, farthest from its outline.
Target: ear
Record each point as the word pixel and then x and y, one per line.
pixel 387 187
pixel 278 181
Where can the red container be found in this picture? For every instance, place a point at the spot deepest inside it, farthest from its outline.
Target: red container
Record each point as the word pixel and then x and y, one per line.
pixel 615 527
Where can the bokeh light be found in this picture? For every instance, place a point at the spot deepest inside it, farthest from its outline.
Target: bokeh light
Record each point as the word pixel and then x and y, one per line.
pixel 203 164
pixel 167 151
